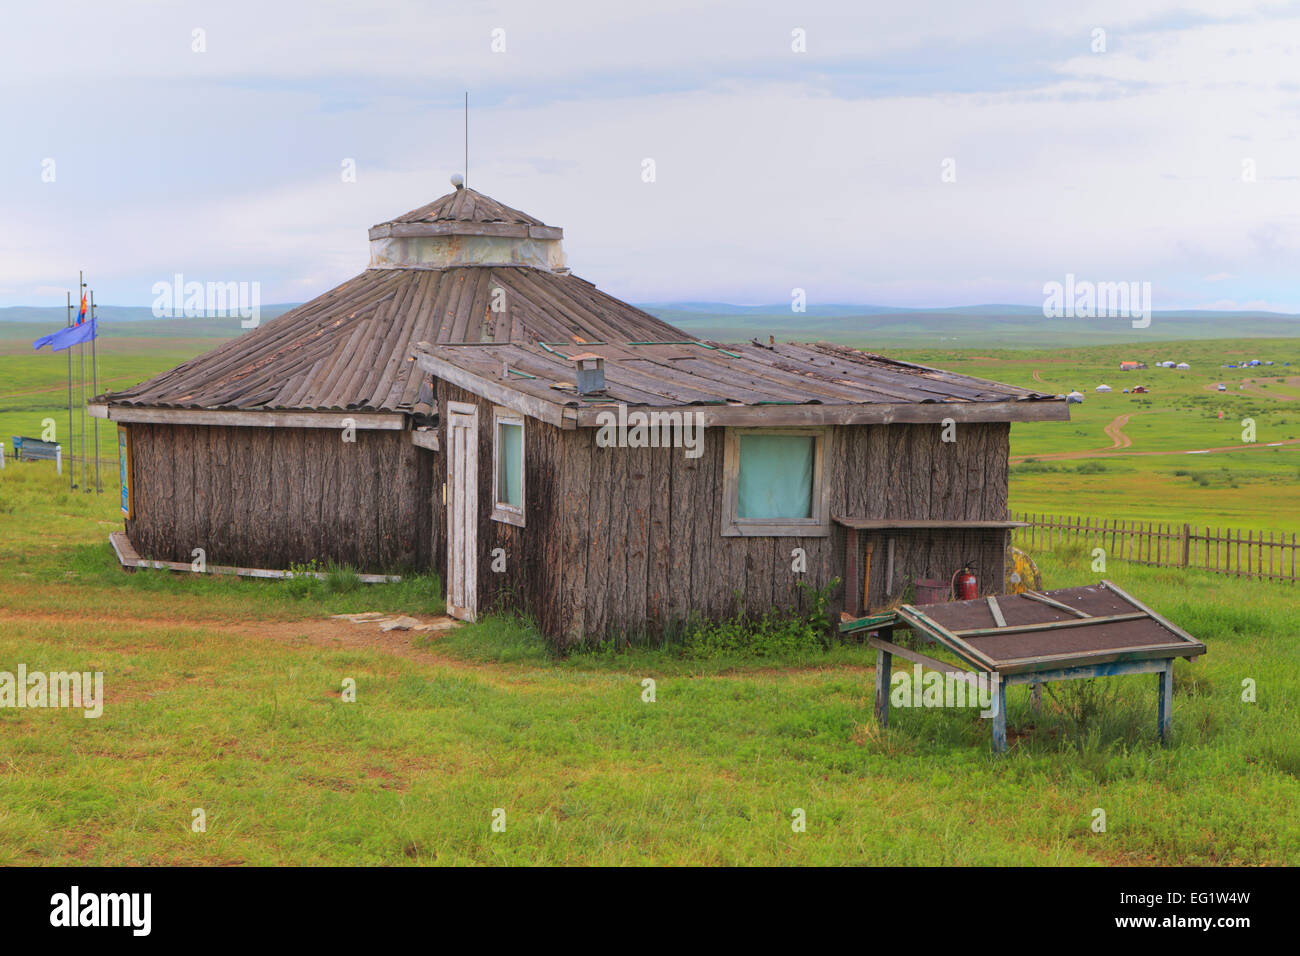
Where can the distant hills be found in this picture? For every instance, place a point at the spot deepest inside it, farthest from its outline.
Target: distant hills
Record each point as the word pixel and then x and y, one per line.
pixel 972 326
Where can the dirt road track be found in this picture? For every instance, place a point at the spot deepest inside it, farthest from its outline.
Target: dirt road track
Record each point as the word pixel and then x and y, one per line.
pixel 1107 452
pixel 1114 431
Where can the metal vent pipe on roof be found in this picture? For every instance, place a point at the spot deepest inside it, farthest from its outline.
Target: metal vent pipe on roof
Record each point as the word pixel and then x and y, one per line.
pixel 590 371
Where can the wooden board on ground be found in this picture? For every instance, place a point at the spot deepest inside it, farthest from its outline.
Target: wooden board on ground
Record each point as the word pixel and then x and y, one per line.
pixel 130 560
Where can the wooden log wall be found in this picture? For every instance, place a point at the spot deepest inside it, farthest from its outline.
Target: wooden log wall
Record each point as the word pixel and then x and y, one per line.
pixel 908 472
pixel 628 540
pixel 271 497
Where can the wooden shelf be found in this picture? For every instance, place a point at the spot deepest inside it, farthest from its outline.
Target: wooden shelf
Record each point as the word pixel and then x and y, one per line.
pixel 900 524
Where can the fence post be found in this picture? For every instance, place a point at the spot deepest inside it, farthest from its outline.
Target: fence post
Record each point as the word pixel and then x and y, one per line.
pixel 1152 543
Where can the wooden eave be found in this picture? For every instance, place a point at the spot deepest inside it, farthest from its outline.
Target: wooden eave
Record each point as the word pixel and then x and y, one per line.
pixel 568 415
pixel 264 418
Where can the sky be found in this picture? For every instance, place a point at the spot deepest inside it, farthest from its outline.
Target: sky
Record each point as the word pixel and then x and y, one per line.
pixel 908 154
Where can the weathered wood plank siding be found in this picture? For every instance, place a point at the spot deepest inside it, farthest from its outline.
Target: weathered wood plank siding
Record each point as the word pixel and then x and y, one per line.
pixel 271 497
pixel 912 474
pixel 624 541
pixel 537 572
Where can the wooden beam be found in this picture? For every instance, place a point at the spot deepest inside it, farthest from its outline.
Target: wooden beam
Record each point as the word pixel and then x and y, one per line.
pixel 1168 625
pixel 425 438
pixel 1052 602
pixel 922 621
pixel 778 416
pixel 1165 701
pixel 549 412
pixel 996 611
pixel 1087 671
pixel 851 573
pixel 918 658
pixel 884 666
pixel 901 524
pixel 129 559
pixel 1048 625
pixel 382 421
pixel 889 569
pixel 866 575
pixel 869 623
pixel 1036 665
pixel 1000 719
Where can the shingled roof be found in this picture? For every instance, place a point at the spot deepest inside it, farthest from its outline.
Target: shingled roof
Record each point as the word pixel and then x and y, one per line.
pixel 731 384
pixel 350 349
pixel 467 205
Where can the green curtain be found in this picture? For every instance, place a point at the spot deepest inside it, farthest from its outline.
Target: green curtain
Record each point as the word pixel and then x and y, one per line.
pixel 776 476
pixel 510 464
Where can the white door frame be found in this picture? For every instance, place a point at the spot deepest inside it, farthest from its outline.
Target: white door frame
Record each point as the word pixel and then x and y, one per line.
pixel 462 510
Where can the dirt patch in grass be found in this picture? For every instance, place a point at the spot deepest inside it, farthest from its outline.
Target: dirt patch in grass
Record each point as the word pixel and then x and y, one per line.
pixel 344 635
pixel 319 632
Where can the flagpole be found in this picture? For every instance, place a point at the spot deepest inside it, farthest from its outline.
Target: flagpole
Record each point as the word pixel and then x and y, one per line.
pixel 72 462
pixel 81 394
pixel 94 391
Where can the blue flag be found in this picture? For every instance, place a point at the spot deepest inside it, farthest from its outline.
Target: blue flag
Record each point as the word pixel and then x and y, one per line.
pixel 72 335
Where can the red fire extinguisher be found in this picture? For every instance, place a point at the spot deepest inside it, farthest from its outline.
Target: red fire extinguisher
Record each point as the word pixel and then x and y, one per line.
pixel 965 587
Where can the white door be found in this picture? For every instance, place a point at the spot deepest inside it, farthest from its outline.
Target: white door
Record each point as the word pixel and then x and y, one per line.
pixel 462 511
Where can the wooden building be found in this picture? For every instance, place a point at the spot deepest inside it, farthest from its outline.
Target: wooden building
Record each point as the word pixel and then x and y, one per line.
pixel 468 405
pixel 308 438
pixel 756 467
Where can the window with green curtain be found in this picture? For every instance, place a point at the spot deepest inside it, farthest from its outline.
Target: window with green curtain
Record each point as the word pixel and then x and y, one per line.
pixel 510 464
pixel 776 476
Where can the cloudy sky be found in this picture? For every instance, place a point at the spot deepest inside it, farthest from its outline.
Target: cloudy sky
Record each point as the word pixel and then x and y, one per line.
pixel 1112 139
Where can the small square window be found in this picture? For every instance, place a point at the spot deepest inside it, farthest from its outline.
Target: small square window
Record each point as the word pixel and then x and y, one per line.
pixel 774 483
pixel 508 467
pixel 775 480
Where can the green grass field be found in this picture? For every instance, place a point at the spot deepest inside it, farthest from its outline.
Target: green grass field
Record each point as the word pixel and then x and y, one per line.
pixel 1256 486
pixel 225 695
